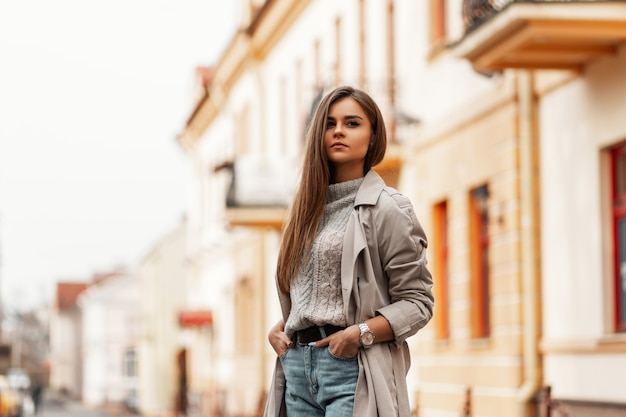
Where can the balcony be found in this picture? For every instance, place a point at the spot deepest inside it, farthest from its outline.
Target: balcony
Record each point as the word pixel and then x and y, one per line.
pixel 540 34
pixel 262 186
pixel 260 190
pixel 263 217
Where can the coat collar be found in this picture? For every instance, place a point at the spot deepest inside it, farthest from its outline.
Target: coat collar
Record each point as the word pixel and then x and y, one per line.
pixel 370 189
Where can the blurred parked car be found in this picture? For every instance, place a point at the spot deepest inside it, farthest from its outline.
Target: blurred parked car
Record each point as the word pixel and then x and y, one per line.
pixel 18 380
pixel 10 401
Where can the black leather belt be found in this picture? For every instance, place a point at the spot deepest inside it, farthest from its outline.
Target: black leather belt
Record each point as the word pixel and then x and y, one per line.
pixel 315 333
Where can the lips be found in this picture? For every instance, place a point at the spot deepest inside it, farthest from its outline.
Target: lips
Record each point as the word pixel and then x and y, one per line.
pixel 338 145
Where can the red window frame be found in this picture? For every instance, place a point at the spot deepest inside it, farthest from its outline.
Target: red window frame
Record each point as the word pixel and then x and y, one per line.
pixel 618 174
pixel 479 262
pixel 441 287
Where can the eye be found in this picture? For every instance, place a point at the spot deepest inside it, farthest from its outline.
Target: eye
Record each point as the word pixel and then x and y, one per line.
pixel 353 123
pixel 330 123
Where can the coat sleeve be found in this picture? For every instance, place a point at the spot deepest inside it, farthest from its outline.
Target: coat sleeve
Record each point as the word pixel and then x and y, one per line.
pixel 402 249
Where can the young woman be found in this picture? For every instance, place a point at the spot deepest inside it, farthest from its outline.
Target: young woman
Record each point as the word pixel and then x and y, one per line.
pixel 351 275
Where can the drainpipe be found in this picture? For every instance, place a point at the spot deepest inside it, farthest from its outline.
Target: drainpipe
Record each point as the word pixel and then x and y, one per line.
pixel 262 98
pixel 262 293
pixel 530 243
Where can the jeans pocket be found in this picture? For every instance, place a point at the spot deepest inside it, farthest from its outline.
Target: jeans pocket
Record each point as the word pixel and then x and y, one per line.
pixel 340 358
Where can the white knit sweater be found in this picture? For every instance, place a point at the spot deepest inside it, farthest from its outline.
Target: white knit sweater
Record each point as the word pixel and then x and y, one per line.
pixel 316 292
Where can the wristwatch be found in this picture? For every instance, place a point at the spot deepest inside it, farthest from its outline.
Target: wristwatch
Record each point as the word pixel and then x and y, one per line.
pixel 366 338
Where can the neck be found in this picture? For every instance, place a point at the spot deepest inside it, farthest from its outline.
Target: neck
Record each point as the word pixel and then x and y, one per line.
pixel 348 173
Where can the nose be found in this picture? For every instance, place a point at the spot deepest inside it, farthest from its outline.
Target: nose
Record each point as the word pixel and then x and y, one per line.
pixel 338 130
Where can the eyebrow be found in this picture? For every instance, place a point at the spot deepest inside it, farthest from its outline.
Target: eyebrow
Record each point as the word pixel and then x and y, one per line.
pixel 348 117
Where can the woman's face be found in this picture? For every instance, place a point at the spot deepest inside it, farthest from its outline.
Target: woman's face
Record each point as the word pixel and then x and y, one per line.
pixel 347 138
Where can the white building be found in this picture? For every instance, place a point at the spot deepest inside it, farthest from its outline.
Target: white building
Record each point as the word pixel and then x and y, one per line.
pixel 66 367
pixel 110 327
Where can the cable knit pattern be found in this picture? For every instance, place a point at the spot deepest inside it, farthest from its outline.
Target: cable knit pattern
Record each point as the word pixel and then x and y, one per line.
pixel 316 292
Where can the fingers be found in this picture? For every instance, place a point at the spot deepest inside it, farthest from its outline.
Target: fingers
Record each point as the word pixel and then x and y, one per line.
pixel 285 339
pixel 341 344
pixel 285 346
pixel 321 343
pixel 278 340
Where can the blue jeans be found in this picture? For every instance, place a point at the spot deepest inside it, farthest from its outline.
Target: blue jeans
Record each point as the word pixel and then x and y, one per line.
pixel 318 383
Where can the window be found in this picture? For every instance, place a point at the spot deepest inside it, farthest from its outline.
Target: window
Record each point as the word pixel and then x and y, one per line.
pixel 437 26
pixel 130 363
pixel 284 107
pixel 241 133
pixel 441 287
pixel 362 57
pixel 338 51
pixel 618 171
pixel 317 63
pixel 245 316
pixel 479 261
pixel 302 115
pixel 391 67
pixel 437 29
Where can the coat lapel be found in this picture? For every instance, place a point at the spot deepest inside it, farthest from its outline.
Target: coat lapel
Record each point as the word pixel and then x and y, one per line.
pixel 353 244
pixel 355 241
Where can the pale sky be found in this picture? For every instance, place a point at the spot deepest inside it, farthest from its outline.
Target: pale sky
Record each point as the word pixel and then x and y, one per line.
pixel 92 96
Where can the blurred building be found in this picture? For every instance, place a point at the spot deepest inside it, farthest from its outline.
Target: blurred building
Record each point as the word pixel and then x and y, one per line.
pixel 29 334
pixel 507 132
pixel 110 330
pixel 66 367
pixel 162 353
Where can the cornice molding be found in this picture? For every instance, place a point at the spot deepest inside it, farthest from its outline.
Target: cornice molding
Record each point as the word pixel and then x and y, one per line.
pixel 247 47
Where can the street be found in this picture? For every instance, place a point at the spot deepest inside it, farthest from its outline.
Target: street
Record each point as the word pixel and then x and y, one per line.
pixel 57 406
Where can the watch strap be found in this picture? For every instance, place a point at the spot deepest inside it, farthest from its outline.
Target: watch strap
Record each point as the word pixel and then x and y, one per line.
pixel 365 329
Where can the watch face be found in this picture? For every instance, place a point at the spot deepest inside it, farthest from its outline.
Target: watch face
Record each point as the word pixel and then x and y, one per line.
pixel 367 338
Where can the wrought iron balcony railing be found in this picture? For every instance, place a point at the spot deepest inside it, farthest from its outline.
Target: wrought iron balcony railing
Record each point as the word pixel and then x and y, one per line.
pixel 476 12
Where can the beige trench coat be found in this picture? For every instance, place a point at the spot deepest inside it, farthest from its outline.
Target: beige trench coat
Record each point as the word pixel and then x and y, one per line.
pixel 383 272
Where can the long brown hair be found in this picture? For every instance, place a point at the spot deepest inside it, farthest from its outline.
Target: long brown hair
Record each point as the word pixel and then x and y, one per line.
pixel 317 173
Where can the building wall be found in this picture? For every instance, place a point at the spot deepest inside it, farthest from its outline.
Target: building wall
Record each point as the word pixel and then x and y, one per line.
pixel 94 355
pixel 249 332
pixel 65 347
pixel 110 328
pixel 210 363
pixel 585 359
pixel 162 274
pixel 477 145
